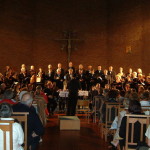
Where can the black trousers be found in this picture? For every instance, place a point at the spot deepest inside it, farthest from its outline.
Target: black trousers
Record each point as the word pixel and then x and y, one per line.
pixel 72 102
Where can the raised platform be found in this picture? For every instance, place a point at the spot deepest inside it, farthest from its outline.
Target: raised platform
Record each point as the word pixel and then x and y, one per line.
pixel 69 123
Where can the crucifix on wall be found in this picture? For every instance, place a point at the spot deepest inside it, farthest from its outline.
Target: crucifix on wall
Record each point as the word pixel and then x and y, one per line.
pixel 68 38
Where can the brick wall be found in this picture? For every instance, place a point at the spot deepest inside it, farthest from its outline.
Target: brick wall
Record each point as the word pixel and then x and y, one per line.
pixel 29 29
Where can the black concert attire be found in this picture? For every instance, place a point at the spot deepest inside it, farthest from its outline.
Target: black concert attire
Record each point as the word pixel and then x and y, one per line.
pixel 141 82
pixel 59 78
pixel 99 74
pixel 69 77
pixel 147 85
pixel 23 79
pixel 112 75
pixel 134 84
pixel 34 124
pixel 92 79
pixel 105 80
pixel 52 99
pixel 118 85
pixel 50 75
pixel 73 87
pixel 82 80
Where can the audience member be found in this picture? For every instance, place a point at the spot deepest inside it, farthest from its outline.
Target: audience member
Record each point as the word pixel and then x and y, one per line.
pixel 18 135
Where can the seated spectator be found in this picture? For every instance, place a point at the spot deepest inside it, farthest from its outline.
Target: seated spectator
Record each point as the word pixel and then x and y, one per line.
pixel 52 97
pixel 35 127
pixel 145 97
pixel 18 135
pixel 133 96
pixel 8 97
pixel 39 94
pixel 143 145
pixel 112 97
pixel 134 108
pixel 117 122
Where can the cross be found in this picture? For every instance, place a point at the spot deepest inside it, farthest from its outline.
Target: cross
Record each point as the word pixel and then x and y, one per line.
pixel 68 39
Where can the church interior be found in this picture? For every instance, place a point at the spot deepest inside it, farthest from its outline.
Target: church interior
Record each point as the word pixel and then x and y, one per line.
pixel 113 35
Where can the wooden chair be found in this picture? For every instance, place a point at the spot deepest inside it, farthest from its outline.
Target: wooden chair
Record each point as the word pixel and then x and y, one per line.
pixel 96 108
pixel 144 121
pixel 83 106
pixel 22 118
pixel 112 110
pixel 6 126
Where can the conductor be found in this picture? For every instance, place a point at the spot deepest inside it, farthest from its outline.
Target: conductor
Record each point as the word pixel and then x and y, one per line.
pixel 73 87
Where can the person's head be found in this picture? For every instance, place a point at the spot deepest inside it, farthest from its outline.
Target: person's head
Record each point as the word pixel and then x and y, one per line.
pixel 80 71
pixel 70 64
pixel 1 75
pixel 105 72
pixel 127 87
pixel 145 95
pixel 141 89
pixel 38 89
pixel 49 84
pixel 32 67
pixel 128 78
pixel 49 66
pixel 140 76
pixel 23 66
pixel 111 68
pixel 139 71
pixel 23 70
pixel 40 70
pixel 89 67
pixel 120 69
pixel 99 68
pixel 7 68
pixel 80 66
pixel 134 107
pixel 148 79
pixel 3 86
pixel 134 96
pixel 27 99
pixel 70 71
pixel 8 94
pixel 5 110
pixel 134 74
pixel 98 86
pixel 107 86
pixel 58 71
pixel 118 77
pixel 130 70
pixel 92 71
pixel 59 65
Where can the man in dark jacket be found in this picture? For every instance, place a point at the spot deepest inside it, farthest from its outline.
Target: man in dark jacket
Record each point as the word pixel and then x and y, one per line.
pixel 73 87
pixel 35 127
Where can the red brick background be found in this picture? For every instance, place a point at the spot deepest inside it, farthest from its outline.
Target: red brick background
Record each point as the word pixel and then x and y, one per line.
pixel 29 29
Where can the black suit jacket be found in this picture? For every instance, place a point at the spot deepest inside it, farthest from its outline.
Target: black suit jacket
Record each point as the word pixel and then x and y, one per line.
pixel 34 122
